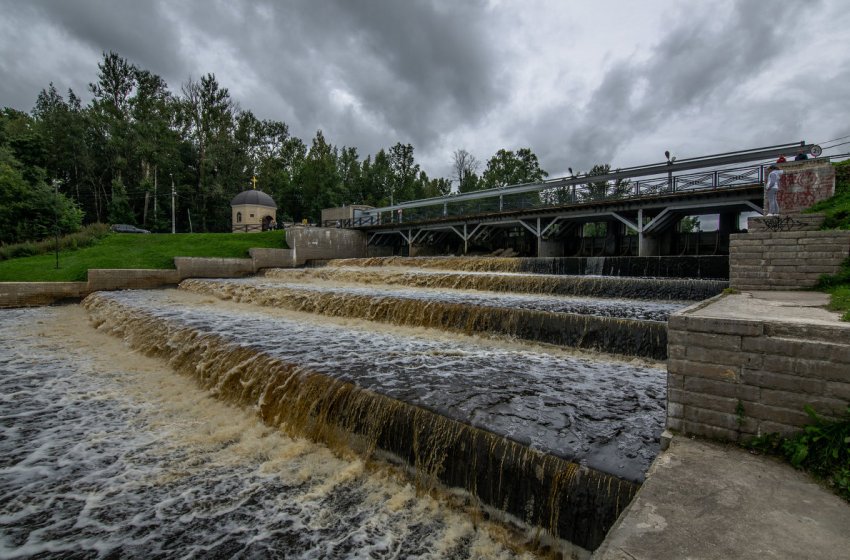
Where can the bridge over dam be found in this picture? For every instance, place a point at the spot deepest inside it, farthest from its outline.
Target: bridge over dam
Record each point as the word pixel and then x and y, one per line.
pixel 630 212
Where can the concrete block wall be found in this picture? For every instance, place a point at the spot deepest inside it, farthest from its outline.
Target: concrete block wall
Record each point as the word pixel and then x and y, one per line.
pixel 271 258
pixel 29 294
pixel 785 260
pixel 129 278
pixel 733 379
pixel 312 243
pixel 200 267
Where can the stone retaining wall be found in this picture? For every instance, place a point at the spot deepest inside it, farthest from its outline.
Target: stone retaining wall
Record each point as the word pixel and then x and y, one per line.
pixel 785 253
pixel 306 243
pixel 28 294
pixel 732 379
pixel 129 278
pixel 309 243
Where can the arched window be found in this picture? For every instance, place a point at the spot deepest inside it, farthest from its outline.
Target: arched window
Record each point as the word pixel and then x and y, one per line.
pixel 239 217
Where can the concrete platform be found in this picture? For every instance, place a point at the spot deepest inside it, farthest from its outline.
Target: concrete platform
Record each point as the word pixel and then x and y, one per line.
pixel 798 307
pixel 705 500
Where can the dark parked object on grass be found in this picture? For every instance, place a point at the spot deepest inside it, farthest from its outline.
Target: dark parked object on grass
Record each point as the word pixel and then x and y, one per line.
pixel 127 228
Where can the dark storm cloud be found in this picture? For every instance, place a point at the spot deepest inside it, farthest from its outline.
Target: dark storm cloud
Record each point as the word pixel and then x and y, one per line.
pixel 370 73
pixel 699 63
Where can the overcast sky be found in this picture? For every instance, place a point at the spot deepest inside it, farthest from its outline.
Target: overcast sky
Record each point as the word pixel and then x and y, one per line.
pixel 578 82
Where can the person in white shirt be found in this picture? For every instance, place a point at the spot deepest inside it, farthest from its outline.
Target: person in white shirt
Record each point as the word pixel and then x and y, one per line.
pixel 771 188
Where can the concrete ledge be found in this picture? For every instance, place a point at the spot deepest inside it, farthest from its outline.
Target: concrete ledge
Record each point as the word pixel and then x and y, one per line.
pixel 708 501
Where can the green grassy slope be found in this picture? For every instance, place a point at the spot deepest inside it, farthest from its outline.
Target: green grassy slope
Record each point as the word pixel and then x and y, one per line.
pixel 134 251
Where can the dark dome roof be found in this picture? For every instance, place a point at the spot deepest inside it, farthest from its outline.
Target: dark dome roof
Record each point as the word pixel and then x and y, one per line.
pixel 252 196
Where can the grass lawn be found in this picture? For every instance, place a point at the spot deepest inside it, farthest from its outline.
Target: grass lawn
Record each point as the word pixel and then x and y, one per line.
pixel 135 251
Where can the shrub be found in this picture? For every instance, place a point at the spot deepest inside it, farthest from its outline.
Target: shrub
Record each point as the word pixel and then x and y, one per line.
pixel 822 448
pixel 86 237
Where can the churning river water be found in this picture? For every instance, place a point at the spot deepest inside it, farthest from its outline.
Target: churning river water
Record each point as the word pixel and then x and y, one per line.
pixel 117 439
pixel 105 453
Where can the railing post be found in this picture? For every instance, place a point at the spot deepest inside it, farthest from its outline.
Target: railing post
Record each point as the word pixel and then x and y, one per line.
pixel 715 183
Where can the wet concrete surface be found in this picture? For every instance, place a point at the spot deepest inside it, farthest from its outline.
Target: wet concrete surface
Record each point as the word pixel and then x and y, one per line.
pixel 707 501
pixel 795 307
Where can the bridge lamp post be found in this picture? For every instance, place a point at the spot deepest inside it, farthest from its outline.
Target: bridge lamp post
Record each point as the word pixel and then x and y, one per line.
pixel 670 161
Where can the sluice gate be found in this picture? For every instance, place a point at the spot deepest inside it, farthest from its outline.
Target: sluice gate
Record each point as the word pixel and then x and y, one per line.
pixel 558 442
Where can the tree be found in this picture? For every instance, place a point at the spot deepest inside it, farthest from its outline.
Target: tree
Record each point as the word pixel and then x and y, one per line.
pixel 509 168
pixel 319 178
pixel 465 167
pixel 601 190
pixel 404 171
pixel 207 115
pixel 30 209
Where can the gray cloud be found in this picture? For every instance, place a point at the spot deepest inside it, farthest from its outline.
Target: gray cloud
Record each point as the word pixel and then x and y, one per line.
pixel 481 76
pixel 696 65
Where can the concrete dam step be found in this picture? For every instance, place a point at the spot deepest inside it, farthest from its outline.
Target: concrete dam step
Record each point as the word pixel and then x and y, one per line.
pixel 558 441
pixel 625 327
pixel 659 289
pixel 706 267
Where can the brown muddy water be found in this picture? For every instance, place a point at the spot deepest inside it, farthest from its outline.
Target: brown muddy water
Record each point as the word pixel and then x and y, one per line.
pixel 107 453
pixel 331 413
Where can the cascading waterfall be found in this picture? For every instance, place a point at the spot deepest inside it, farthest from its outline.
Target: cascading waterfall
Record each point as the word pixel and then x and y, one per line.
pixel 714 268
pixel 573 480
pixel 350 270
pixel 107 453
pixel 580 330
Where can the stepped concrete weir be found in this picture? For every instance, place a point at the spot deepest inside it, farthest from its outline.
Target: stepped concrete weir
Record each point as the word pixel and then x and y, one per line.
pixel 555 440
pixel 360 271
pixel 619 326
pixel 710 267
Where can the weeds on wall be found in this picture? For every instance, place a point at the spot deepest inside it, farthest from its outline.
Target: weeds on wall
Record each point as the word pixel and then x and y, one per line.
pixel 838 286
pixel 821 448
pixel 837 209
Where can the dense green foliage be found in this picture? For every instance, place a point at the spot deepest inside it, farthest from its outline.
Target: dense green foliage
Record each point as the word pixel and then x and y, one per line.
pixel 135 251
pixel 117 157
pixel 822 448
pixel 29 207
pixel 86 237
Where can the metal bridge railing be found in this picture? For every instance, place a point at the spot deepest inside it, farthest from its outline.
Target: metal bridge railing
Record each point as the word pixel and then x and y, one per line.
pixel 575 194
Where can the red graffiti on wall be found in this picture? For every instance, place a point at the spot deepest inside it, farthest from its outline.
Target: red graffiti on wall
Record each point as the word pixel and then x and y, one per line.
pixel 800 189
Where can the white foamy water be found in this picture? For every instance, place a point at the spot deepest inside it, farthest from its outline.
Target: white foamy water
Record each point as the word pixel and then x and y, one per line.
pixel 105 453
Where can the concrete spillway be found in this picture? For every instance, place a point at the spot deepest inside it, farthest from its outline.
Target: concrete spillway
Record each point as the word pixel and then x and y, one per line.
pixel 713 268
pixel 559 441
pixel 108 453
pixel 618 326
pixel 366 271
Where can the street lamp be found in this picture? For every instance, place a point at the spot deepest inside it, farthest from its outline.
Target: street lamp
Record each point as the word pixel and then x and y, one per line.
pixel 56 217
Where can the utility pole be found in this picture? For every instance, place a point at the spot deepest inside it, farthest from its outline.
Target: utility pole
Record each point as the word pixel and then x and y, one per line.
pixel 173 198
pixel 56 217
pixel 155 223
